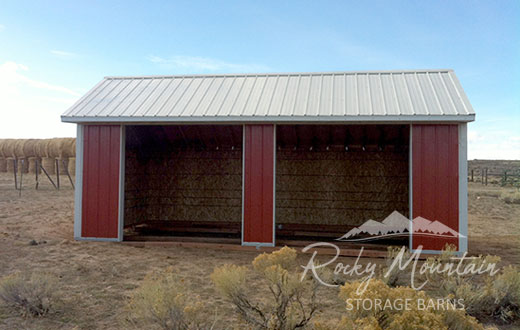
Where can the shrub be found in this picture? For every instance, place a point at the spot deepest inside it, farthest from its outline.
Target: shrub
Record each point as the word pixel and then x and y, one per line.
pixel 292 301
pixel 484 296
pixel 32 295
pixel 512 197
pixel 413 317
pixel 161 301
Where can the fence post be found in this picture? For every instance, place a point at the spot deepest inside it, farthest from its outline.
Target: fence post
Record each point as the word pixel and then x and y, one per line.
pixel 472 180
pixel 486 175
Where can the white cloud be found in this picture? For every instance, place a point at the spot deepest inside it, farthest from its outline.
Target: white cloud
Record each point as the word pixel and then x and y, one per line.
pixel 62 53
pixel 30 108
pixel 204 64
pixel 493 144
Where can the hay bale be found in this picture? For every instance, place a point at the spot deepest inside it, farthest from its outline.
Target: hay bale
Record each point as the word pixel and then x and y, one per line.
pixel 10 164
pixel 41 147
pixel 54 147
pixel 8 148
pixel 33 164
pixel 24 148
pixel 49 164
pixel 68 148
pixel 63 163
pixel 72 166
pixel 3 165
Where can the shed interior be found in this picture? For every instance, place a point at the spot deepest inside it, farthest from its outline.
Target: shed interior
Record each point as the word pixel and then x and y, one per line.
pixel 183 180
pixel 331 178
pixel 186 180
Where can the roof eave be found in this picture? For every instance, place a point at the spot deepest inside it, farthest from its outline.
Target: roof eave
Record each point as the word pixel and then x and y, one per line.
pixel 277 119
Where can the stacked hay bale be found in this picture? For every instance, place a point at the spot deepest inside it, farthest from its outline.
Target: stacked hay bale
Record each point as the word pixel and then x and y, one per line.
pixel 48 162
pixel 67 147
pixel 3 158
pixel 8 152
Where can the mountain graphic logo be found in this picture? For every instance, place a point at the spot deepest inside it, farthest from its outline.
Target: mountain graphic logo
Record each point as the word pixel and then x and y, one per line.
pixel 397 225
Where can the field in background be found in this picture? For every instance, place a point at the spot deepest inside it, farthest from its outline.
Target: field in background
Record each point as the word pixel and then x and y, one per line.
pixel 36 234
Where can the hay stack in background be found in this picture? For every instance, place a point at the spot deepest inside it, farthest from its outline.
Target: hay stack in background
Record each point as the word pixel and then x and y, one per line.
pixel 23 165
pixel 67 147
pixel 53 149
pixel 33 162
pixel 25 148
pixel 72 166
pixel 49 164
pixel 8 148
pixel 64 164
pixel 10 164
pixel 3 165
pixel 41 147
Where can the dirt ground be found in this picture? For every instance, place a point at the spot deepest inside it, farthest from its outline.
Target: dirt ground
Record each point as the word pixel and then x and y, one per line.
pixel 96 278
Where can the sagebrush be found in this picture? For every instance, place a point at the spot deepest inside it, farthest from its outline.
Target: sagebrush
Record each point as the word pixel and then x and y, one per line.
pixel 31 295
pixel 161 301
pixel 292 301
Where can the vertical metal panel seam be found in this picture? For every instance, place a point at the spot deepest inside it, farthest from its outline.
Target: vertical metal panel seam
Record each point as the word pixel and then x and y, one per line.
pixel 159 96
pixel 385 110
pixel 399 112
pixel 428 112
pixel 448 93
pixel 454 81
pixel 214 97
pixel 435 93
pixel 260 96
pixel 169 96
pixel 180 97
pixel 128 81
pixel 272 95
pixel 224 99
pixel 124 98
pixel 296 95
pixel 148 96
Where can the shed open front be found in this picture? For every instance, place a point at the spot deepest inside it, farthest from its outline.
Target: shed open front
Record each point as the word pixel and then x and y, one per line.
pixel 332 178
pixel 183 180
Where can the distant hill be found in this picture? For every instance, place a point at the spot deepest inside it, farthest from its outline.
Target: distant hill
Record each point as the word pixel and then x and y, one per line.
pixel 495 167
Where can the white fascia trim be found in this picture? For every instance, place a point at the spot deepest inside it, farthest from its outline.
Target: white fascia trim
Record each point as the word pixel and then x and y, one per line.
pixel 275 119
pixel 121 202
pixel 78 191
pixel 463 188
pixel 257 244
pixel 97 239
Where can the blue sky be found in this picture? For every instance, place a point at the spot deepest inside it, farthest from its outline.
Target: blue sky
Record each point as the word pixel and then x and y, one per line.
pixel 54 51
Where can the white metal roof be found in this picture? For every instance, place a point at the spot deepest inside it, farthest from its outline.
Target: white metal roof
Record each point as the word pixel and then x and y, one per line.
pixel 421 95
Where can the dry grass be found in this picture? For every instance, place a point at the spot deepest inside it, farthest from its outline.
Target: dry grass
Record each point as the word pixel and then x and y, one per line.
pixel 99 278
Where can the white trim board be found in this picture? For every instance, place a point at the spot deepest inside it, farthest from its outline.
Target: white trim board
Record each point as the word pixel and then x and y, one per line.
pixel 78 190
pixel 463 188
pixel 275 119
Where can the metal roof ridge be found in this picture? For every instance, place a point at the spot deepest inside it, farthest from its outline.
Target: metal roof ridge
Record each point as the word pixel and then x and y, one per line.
pixel 317 73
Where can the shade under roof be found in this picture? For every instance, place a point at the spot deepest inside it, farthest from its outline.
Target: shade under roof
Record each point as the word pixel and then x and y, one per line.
pixel 422 95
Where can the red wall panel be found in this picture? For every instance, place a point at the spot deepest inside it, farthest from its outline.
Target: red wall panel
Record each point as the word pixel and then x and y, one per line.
pixel 258 183
pixel 100 193
pixel 435 180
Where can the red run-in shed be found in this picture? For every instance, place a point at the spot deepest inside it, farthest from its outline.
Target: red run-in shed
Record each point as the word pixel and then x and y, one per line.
pixel 259 157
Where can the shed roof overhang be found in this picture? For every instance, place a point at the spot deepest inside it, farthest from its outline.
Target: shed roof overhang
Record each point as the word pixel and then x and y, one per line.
pixel 337 97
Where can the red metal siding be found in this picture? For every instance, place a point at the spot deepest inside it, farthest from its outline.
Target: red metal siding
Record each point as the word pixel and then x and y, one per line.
pixel 435 178
pixel 258 183
pixel 100 194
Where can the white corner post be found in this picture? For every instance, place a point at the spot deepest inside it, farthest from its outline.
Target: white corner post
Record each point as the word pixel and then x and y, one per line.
pixel 463 187
pixel 78 191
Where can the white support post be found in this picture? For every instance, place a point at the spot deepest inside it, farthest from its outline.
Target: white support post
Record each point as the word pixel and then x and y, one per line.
pixel 463 188
pixel 78 190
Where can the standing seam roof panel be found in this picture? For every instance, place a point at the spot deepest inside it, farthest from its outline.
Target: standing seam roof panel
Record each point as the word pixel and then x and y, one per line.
pixel 344 94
